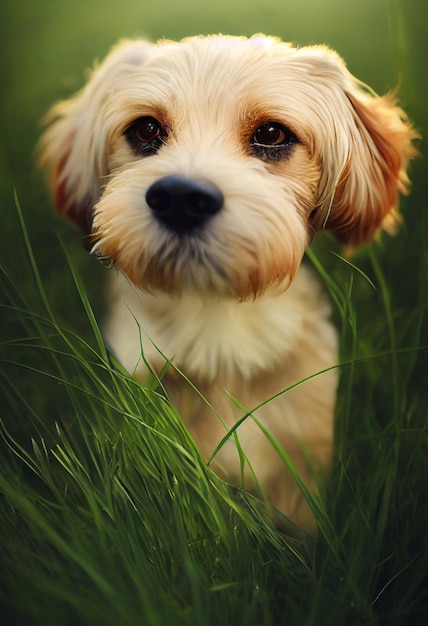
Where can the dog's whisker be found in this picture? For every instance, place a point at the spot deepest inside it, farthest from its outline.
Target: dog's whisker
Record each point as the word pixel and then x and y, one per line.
pixel 104 260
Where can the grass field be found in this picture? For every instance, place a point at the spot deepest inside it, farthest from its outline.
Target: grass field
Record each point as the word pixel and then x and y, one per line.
pixel 107 513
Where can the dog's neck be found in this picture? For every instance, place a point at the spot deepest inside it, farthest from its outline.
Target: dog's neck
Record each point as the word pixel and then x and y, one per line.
pixel 211 338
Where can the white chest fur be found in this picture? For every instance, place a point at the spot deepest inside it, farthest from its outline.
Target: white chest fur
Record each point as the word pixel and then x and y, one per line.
pixel 252 351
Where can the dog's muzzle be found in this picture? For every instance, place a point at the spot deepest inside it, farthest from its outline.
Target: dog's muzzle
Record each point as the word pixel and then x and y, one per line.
pixel 182 204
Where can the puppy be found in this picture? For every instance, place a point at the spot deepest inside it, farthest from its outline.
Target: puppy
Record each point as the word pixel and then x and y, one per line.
pixel 202 170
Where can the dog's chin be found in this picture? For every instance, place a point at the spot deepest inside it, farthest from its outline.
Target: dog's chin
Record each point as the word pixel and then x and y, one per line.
pixel 199 265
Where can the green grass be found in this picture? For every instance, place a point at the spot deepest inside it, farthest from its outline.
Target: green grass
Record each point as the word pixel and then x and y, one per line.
pixel 108 515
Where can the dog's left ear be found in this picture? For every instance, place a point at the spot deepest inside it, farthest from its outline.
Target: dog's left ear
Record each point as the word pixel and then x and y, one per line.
pixel 371 139
pixel 73 148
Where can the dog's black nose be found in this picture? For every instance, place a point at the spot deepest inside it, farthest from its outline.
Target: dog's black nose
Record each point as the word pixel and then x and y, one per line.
pixel 183 204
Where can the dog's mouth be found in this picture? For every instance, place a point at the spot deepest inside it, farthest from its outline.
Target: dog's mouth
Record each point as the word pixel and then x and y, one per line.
pixel 183 259
pixel 189 261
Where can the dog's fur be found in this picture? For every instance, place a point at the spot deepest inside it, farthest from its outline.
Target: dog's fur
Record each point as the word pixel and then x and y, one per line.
pixel 226 301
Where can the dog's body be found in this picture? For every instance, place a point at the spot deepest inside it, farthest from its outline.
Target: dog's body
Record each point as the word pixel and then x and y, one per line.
pixel 252 351
pixel 203 169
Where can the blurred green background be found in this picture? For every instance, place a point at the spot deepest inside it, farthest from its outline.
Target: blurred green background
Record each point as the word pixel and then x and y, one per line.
pixel 46 47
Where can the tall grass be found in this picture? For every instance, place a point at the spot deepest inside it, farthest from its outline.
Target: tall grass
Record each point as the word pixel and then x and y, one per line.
pixel 110 516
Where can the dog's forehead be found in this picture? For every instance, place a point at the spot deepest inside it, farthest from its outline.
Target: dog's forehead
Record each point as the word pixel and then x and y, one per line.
pixel 216 63
pixel 213 75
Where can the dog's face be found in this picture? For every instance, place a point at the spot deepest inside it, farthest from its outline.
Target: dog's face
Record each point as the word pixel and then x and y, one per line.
pixel 208 165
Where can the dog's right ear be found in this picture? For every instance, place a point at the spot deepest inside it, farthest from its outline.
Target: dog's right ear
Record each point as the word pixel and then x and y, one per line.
pixel 73 148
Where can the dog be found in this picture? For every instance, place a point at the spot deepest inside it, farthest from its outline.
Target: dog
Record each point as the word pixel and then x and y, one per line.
pixel 202 170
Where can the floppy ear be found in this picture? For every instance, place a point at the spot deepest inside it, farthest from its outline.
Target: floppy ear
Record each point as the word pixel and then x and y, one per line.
pixel 73 148
pixel 367 195
pixel 369 145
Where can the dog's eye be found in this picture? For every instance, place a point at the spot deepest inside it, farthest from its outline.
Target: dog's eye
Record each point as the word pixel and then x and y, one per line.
pixel 272 141
pixel 145 135
pixel 147 129
pixel 269 134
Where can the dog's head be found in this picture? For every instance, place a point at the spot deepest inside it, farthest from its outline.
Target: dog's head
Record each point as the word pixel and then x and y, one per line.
pixel 208 165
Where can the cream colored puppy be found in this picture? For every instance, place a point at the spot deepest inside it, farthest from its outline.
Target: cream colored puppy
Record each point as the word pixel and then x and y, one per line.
pixel 202 170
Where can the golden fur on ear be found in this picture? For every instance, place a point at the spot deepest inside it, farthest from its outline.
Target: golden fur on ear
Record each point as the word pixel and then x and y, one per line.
pixel 67 153
pixel 73 148
pixel 367 194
